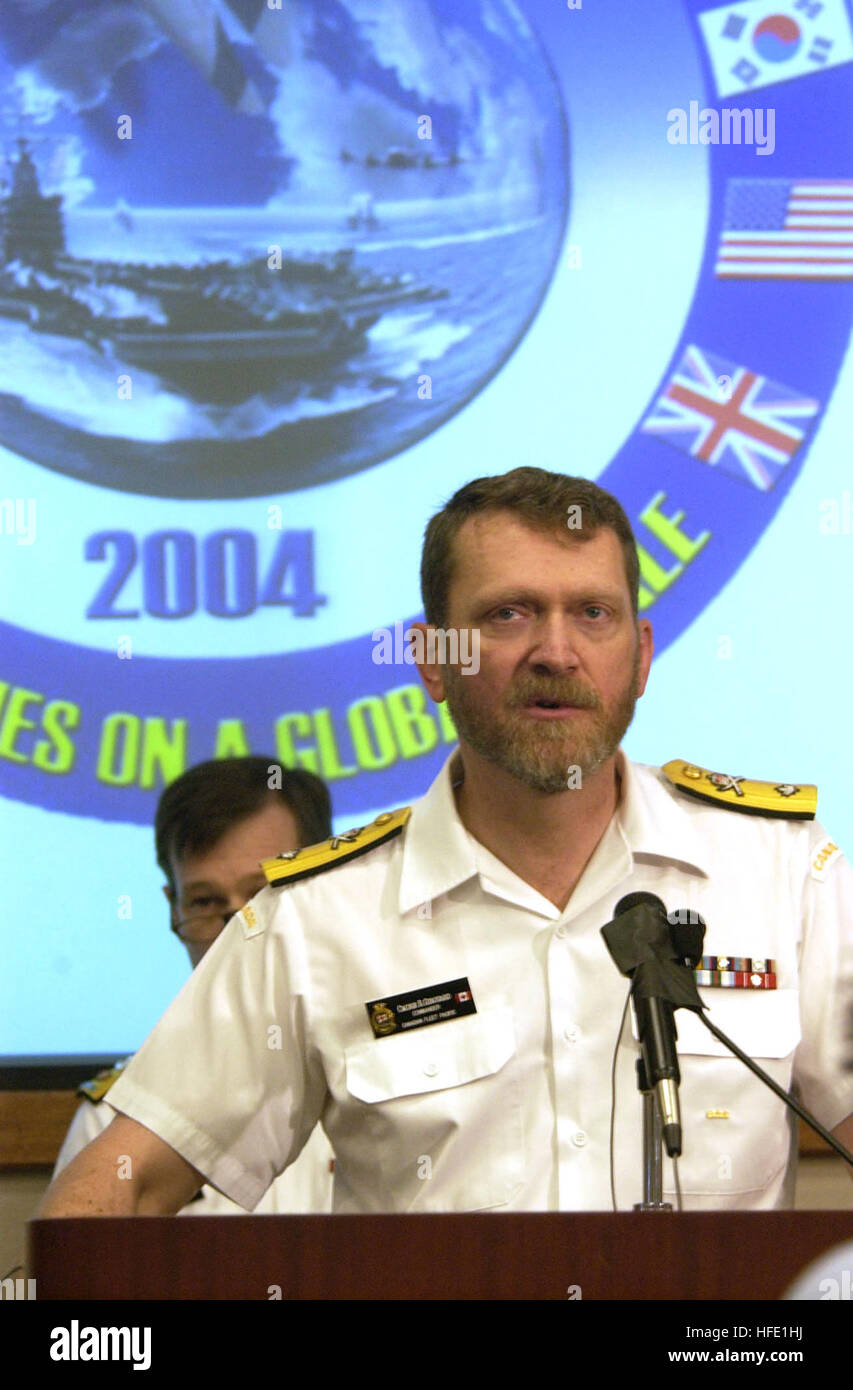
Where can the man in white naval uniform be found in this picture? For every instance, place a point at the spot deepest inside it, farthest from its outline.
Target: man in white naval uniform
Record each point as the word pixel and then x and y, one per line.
pixel 434 989
pixel 212 825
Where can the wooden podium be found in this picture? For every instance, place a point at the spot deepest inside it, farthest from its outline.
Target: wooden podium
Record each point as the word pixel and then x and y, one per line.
pixel 515 1255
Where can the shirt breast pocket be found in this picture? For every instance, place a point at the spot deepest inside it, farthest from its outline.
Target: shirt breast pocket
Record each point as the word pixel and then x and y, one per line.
pixel 442 1110
pixel 736 1132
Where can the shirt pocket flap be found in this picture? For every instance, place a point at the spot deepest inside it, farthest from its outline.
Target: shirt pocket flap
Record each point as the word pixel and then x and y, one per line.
pixel 432 1058
pixel 763 1023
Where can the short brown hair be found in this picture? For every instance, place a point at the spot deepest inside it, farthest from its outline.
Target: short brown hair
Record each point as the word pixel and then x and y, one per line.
pixel 538 498
pixel 201 805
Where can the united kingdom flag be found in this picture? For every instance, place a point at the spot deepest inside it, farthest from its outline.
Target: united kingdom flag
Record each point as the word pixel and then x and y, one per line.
pixel 731 418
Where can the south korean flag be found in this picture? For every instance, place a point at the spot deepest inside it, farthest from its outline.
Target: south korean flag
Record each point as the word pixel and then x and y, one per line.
pixel 762 42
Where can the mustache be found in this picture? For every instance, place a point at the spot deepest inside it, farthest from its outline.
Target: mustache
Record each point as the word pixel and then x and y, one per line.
pixel 563 691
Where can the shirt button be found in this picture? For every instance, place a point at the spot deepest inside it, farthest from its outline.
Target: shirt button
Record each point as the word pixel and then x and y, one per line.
pixel 571 1034
pixel 431 1069
pixel 562 931
pixel 579 1138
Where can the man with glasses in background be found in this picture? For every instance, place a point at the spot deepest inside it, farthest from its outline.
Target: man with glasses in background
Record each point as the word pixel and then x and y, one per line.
pixel 213 825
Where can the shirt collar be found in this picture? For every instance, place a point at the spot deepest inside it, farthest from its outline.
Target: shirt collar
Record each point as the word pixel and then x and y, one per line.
pixel 439 854
pixel 657 821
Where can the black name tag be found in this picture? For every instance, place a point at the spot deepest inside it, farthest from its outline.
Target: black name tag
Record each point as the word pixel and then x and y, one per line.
pixel 398 1013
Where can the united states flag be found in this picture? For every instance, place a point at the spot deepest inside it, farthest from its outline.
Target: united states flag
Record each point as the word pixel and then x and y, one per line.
pixel 778 229
pixel 730 417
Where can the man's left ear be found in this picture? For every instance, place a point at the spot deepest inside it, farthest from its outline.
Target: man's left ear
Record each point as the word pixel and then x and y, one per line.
pixel 647 651
pixel 430 672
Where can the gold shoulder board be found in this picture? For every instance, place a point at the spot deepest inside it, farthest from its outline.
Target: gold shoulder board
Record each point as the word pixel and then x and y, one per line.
pixel 97 1088
pixel 314 859
pixel 743 794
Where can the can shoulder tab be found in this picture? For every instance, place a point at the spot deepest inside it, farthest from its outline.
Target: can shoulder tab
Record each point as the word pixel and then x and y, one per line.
pixel 95 1089
pixel 789 800
pixel 341 849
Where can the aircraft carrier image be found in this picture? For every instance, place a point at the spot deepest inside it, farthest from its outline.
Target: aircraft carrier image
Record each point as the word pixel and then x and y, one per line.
pixel 218 331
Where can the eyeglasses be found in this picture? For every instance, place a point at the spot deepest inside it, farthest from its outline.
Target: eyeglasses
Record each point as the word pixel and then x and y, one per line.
pixel 201 926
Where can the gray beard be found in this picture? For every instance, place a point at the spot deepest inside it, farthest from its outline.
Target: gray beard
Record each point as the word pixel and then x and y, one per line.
pixel 540 754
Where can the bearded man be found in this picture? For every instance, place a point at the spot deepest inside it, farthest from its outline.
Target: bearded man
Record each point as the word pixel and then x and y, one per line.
pixel 442 998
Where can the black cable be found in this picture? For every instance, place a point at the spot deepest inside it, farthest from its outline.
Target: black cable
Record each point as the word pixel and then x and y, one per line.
pixel 679 1206
pixel 613 1103
pixel 777 1089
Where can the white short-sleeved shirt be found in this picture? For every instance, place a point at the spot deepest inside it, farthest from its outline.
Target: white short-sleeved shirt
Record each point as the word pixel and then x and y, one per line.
pixel 304 1188
pixel 508 1108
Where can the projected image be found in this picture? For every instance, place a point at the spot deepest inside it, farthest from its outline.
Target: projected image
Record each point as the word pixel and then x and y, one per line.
pixel 277 280
pixel 249 248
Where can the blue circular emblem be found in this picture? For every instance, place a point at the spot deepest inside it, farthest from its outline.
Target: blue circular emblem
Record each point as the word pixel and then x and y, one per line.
pixel 246 354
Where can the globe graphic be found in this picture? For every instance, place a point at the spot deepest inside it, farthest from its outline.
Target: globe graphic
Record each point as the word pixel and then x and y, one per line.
pixel 247 258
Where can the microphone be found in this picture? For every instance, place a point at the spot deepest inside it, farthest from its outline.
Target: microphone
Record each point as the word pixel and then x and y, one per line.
pixel 660 953
pixel 640 939
pixel 687 934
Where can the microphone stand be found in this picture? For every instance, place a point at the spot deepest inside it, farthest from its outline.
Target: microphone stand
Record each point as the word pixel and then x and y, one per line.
pixel 789 1100
pixel 652 1147
pixel 641 937
pixel 653 1128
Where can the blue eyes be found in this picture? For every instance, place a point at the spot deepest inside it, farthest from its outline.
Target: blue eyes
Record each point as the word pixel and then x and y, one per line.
pixel 593 611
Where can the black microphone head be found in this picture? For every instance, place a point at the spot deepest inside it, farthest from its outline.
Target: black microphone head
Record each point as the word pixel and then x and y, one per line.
pixel 635 900
pixel 687 930
pixel 639 928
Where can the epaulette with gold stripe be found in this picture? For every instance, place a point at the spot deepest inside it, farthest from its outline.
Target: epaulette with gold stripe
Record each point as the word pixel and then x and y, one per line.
pixel 341 849
pixel 97 1088
pixel 743 794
